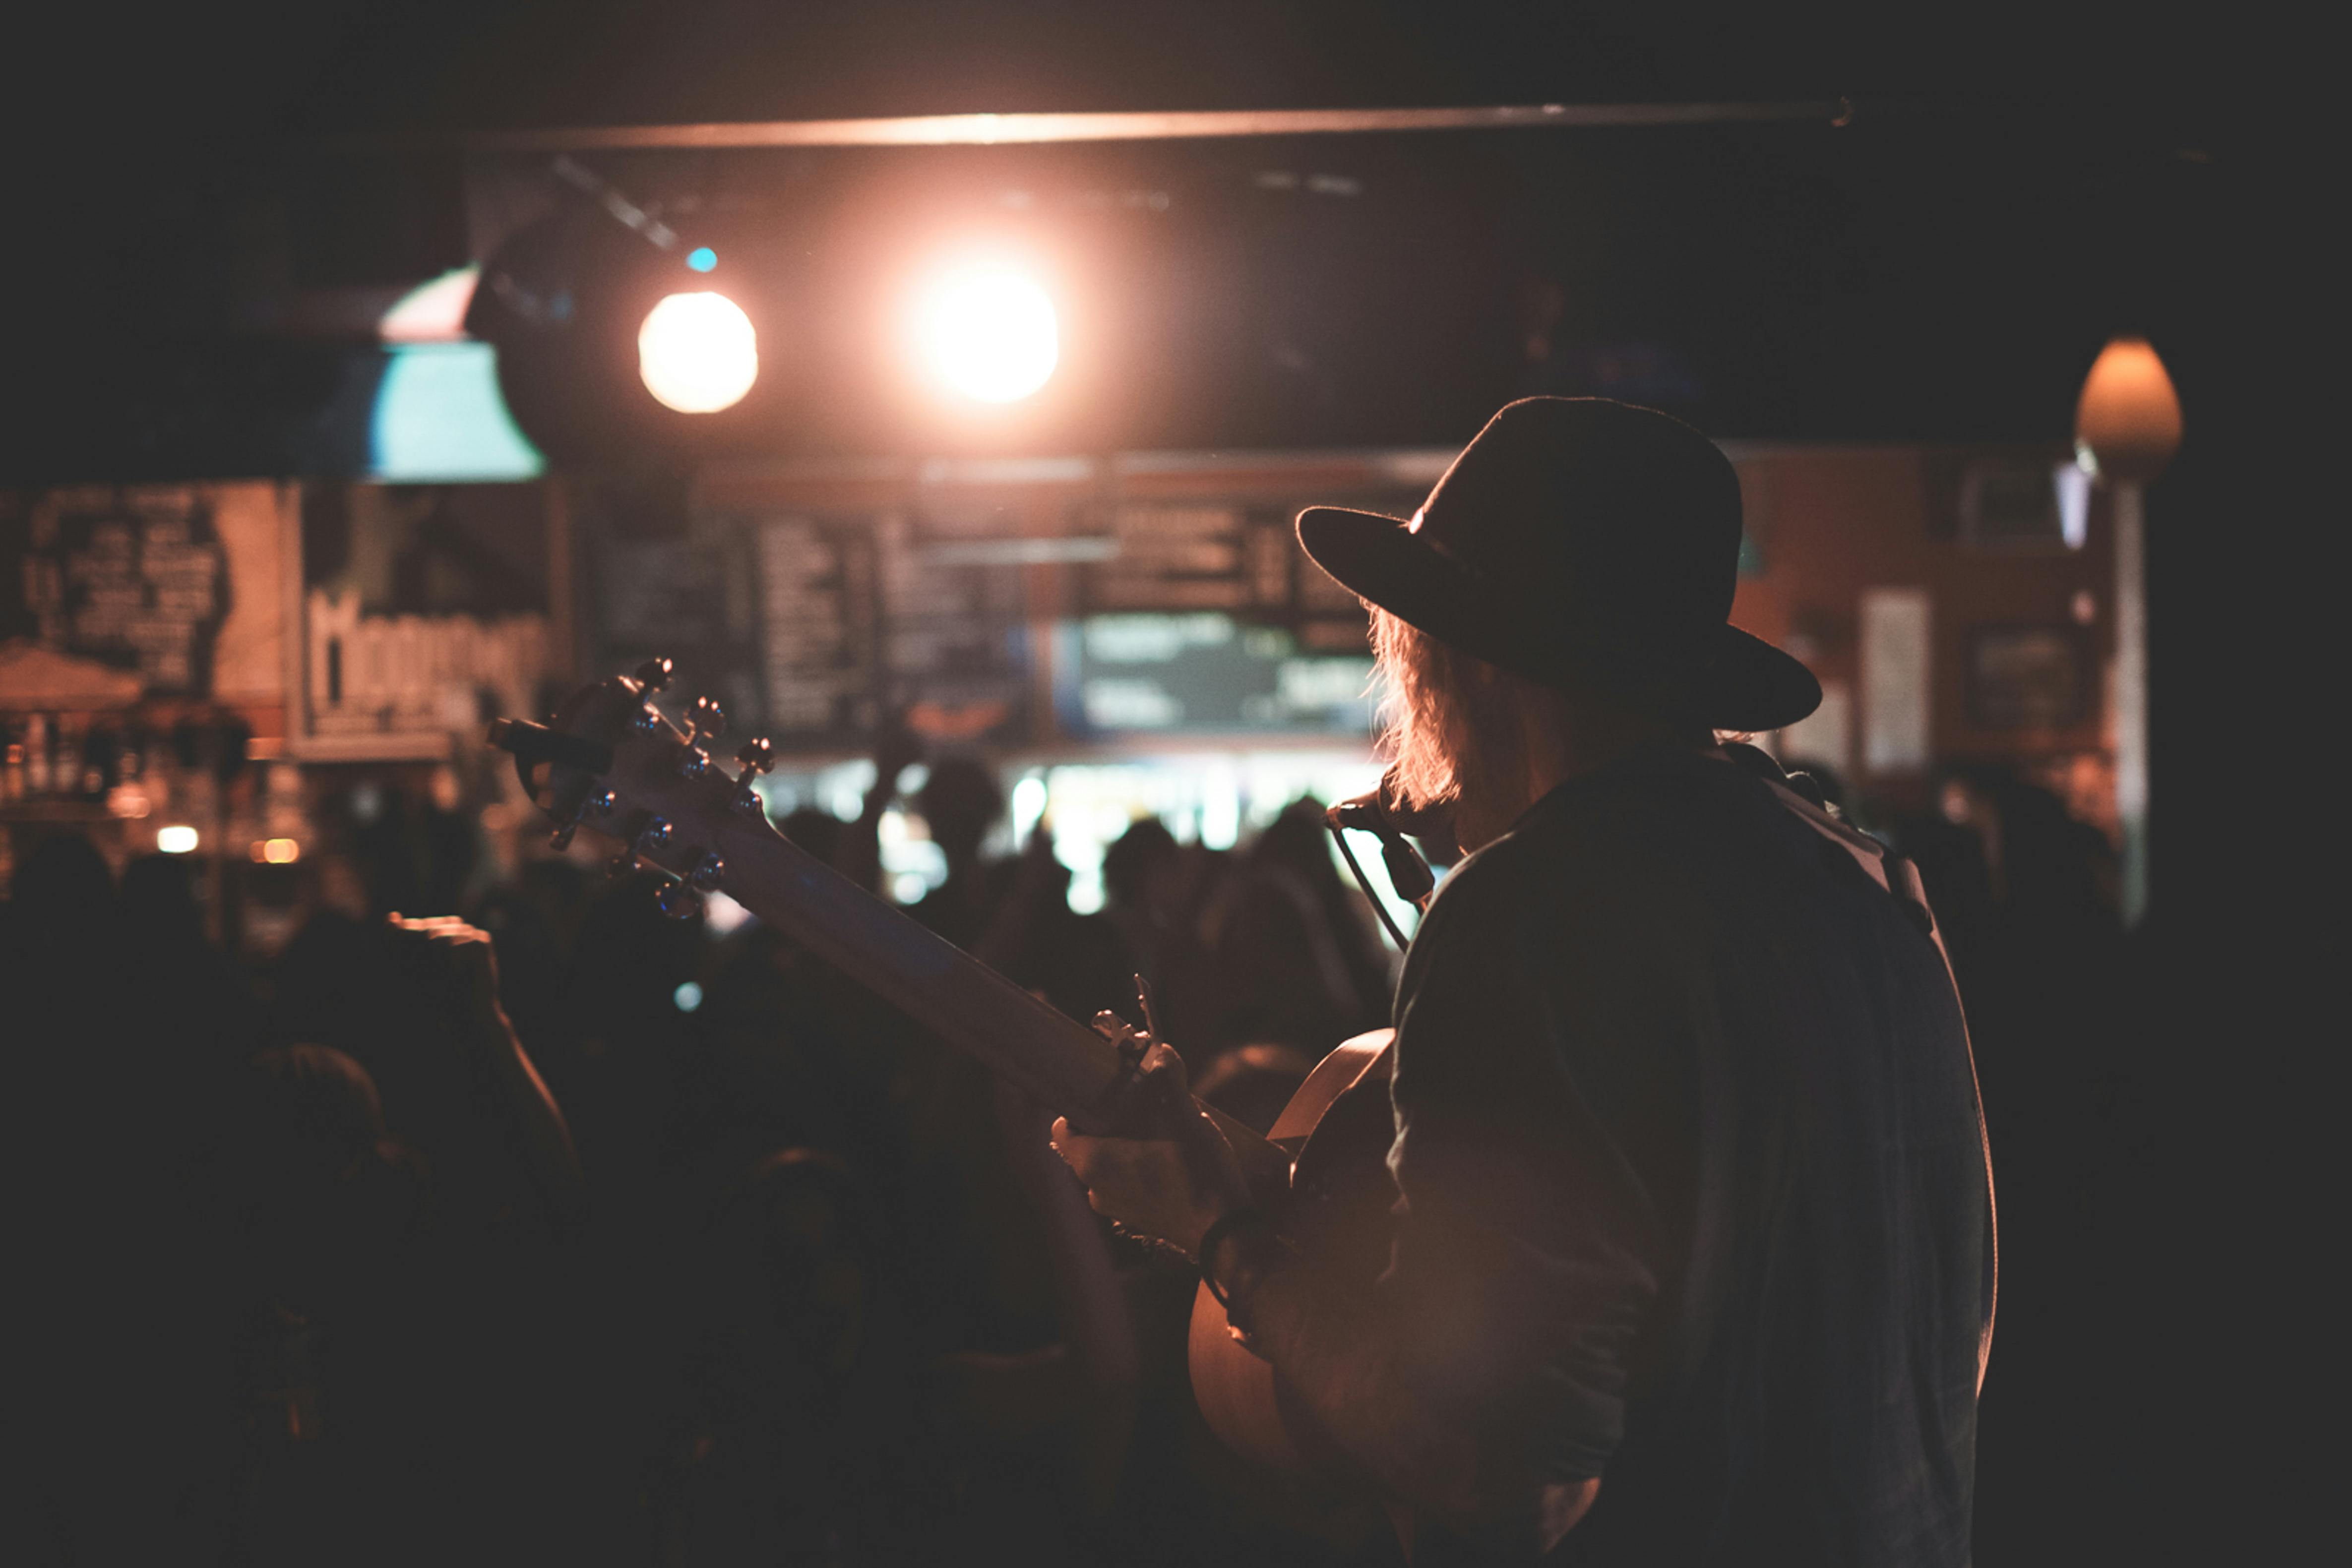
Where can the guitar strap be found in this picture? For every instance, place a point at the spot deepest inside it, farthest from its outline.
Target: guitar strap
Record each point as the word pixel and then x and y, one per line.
pixel 1900 878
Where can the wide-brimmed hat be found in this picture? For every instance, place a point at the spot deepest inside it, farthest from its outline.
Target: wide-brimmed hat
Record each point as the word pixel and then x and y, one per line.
pixel 1578 541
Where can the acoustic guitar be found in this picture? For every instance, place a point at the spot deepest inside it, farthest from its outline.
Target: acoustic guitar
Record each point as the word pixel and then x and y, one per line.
pixel 1341 1216
pixel 611 762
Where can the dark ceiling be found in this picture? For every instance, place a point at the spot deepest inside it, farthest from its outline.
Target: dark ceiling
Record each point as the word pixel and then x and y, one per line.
pixel 2015 183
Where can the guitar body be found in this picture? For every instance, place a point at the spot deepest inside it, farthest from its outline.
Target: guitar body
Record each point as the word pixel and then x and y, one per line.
pixel 1336 1128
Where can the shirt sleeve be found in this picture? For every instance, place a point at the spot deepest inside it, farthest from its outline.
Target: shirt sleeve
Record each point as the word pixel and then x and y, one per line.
pixel 1523 1263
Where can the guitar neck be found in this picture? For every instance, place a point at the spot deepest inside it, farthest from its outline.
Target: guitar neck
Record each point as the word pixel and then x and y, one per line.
pixel 1061 1062
pixel 613 760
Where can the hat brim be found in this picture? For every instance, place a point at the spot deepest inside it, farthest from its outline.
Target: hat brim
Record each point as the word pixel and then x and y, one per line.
pixel 1740 680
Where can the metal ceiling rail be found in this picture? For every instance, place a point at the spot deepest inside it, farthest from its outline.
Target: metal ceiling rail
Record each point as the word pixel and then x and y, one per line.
pixel 997 130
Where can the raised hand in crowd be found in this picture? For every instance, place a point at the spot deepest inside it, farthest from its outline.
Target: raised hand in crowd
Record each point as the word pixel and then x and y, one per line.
pixel 456 964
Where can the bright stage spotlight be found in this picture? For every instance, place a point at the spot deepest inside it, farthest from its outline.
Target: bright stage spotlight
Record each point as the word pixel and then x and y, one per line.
pixel 986 332
pixel 698 353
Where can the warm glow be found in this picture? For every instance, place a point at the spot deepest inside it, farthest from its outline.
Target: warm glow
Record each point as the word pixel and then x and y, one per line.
pixel 432 312
pixel 986 332
pixel 698 353
pixel 276 851
pixel 2127 424
pixel 176 839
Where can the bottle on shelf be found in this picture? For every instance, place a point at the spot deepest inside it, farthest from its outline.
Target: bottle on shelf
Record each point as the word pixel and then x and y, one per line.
pixel 37 754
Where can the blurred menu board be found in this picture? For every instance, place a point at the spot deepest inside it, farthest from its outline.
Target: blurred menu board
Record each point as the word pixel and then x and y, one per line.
pixel 1201 670
pixel 1209 618
pixel 664 583
pixel 815 627
pixel 818 623
pixel 1167 558
pixel 956 660
pixel 1188 555
pixel 1171 556
pixel 819 629
pixel 131 583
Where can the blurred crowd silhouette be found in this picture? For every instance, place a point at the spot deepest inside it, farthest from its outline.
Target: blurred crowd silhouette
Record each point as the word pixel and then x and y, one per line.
pixel 534 1226
pixel 635 1242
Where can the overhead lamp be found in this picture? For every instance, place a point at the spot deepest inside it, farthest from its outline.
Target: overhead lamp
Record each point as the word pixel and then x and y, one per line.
pixel 985 332
pixel 2127 428
pixel 698 353
pixel 2127 421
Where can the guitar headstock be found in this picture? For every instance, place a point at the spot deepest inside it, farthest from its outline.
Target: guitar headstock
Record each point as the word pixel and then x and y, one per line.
pixel 611 762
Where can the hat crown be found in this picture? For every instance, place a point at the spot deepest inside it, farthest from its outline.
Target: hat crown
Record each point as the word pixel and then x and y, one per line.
pixel 1583 542
pixel 1626 518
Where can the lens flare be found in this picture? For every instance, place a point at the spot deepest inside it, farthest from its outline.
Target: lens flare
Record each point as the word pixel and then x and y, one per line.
pixel 698 353
pixel 988 333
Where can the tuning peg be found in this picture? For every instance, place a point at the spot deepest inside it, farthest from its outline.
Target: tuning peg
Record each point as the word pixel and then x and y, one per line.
pixel 707 873
pixel 649 721
pixel 653 836
pixel 677 901
pixel 709 719
pixel 600 803
pixel 560 839
pixel 757 756
pixel 747 801
pixel 654 674
pixel 694 763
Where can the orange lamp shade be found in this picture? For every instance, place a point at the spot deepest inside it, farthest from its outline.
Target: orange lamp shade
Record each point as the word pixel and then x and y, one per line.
pixel 2128 423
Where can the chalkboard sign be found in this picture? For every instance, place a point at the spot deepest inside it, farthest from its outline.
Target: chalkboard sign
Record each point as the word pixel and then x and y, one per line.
pixel 135 581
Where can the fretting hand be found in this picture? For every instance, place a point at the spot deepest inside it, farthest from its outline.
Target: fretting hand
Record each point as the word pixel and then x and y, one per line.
pixel 1175 1182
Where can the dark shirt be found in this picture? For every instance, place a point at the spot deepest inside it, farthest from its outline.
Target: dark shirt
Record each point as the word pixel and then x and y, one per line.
pixel 1692 1192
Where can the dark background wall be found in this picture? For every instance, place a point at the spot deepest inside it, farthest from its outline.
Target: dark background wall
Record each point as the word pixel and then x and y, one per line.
pixel 2017 184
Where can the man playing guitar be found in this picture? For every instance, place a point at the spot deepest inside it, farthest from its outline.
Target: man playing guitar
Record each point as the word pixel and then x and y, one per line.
pixel 1690 1193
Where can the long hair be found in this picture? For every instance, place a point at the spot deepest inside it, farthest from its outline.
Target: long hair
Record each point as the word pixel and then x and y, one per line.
pixel 1454 724
pixel 1450 721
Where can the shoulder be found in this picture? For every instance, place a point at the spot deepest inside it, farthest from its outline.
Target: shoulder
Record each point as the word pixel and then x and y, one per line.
pixel 1486 887
pixel 1587 836
pixel 1489 911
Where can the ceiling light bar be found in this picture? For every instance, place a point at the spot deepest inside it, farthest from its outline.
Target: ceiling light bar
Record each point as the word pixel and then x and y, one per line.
pixel 990 130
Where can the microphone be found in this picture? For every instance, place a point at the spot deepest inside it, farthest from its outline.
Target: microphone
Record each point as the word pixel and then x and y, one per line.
pixel 1368 814
pixel 1376 811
